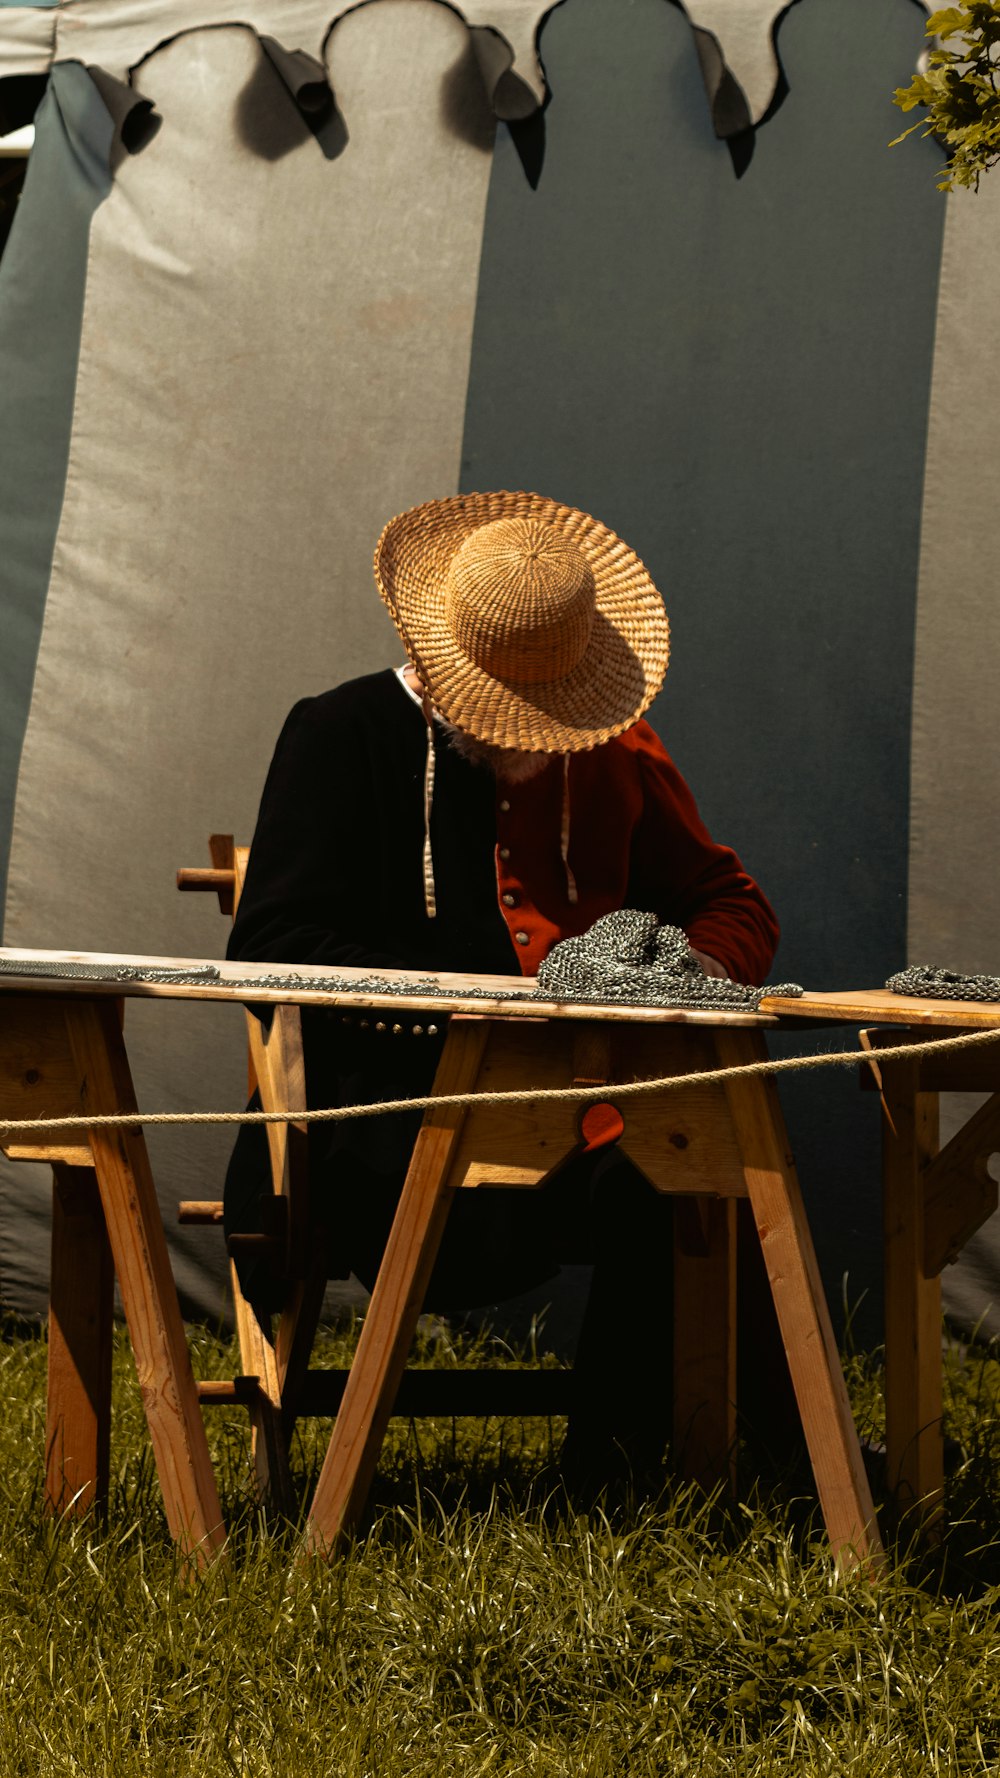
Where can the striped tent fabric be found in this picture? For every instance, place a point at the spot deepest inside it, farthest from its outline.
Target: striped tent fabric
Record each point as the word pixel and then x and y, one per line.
pixel 280 270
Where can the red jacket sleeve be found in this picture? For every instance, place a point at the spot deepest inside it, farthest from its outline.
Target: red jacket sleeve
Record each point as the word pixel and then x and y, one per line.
pixel 678 871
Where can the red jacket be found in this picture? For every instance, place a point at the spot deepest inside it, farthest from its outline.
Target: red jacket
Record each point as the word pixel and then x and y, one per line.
pixel 635 840
pixel 336 867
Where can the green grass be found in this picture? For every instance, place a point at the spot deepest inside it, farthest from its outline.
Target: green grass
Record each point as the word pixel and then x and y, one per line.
pixel 480 1625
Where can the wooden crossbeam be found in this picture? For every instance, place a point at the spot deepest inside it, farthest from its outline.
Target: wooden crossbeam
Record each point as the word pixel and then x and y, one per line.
pixel 959 1191
pixel 444 1394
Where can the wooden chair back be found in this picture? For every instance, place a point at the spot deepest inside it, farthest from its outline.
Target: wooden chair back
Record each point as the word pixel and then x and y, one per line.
pixel 277 1383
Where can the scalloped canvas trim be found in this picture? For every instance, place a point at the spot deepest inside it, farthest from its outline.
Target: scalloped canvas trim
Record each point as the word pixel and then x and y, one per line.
pixel 27 39
pixel 736 40
pixel 119 34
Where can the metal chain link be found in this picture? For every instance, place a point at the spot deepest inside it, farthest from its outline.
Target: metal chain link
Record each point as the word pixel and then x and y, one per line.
pixel 944 984
pixel 629 957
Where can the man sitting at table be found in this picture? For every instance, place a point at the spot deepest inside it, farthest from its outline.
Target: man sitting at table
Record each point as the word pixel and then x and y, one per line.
pixel 465 812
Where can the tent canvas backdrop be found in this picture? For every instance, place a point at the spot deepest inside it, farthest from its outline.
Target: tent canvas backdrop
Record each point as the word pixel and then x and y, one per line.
pixel 234 352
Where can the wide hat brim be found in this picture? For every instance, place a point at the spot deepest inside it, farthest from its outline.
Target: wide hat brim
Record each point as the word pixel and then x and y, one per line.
pixel 616 679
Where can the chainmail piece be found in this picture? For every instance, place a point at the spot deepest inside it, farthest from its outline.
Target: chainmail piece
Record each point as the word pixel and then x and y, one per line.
pixel 41 970
pixel 629 957
pixel 944 984
pixel 625 958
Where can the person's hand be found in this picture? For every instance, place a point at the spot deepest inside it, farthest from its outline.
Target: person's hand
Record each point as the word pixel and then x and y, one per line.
pixel 710 965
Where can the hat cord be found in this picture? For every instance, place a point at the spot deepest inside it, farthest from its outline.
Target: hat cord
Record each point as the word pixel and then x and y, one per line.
pixel 571 890
pixel 430 893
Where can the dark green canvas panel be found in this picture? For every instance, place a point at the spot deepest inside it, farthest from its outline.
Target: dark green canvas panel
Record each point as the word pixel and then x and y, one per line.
pixel 735 375
pixel 42 281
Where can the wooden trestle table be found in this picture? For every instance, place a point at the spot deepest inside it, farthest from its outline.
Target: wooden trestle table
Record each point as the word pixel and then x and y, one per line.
pixel 63 1054
pixel 933 1201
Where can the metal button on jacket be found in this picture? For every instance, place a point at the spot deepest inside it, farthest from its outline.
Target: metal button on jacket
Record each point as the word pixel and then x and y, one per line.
pixel 509 901
pixel 505 807
pixel 522 938
pixel 505 853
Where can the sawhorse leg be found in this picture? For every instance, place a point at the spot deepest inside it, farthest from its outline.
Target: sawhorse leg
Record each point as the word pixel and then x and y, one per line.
pixel 800 1302
pixel 396 1301
pixel 913 1404
pixel 934 1200
pixel 81 1302
pixel 704 1442
pixel 149 1298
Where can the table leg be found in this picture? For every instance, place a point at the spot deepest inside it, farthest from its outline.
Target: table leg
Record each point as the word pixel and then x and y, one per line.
pixel 149 1298
pixel 81 1302
pixel 806 1329
pixel 914 1448
pixel 390 1324
pixel 704 1444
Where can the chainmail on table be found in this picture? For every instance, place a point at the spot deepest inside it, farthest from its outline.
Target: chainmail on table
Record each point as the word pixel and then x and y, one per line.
pixel 944 984
pixel 629 957
pixel 41 970
pixel 625 958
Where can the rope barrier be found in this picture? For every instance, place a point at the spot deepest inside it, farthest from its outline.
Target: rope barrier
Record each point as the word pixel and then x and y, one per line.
pixel 520 1096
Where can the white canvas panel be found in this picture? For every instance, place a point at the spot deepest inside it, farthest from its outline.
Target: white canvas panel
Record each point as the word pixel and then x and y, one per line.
pixel 27 39
pixel 274 359
pixel 954 916
pixel 954 880
pixel 118 34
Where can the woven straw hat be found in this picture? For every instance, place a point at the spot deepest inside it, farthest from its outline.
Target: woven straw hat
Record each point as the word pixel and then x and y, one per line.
pixel 530 624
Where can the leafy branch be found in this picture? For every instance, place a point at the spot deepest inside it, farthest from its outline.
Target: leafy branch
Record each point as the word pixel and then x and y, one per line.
pixel 960 90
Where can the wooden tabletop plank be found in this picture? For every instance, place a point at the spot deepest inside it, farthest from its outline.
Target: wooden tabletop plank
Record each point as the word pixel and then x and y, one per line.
pixel 877 1006
pixel 512 996
pixel 459 993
